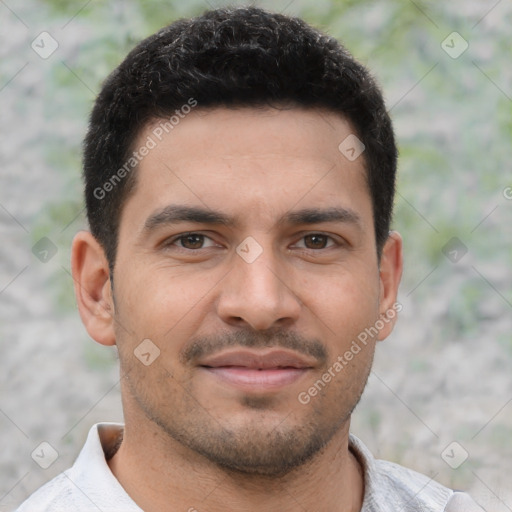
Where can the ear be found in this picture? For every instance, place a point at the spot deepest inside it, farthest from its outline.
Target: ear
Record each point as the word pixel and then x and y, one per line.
pixel 390 271
pixel 93 291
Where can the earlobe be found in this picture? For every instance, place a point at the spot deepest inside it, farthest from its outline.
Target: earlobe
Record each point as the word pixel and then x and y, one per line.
pixel 93 292
pixel 391 265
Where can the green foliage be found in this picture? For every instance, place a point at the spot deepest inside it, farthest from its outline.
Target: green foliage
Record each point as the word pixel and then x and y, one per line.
pixel 97 358
pixel 59 224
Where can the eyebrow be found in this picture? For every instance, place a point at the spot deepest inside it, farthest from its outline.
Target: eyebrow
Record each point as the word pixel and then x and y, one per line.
pixel 318 215
pixel 174 214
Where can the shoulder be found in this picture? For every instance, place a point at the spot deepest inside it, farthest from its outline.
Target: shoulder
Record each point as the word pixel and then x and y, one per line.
pixel 88 485
pixel 62 494
pixel 461 502
pixel 409 488
pixel 420 492
pixel 390 487
pixel 57 495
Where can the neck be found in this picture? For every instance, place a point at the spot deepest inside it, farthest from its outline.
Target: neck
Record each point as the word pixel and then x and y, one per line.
pixel 161 474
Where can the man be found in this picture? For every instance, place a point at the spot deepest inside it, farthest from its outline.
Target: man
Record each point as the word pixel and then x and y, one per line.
pixel 239 177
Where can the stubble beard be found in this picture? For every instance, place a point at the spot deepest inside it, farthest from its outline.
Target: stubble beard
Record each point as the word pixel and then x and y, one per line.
pixel 272 442
pixel 255 448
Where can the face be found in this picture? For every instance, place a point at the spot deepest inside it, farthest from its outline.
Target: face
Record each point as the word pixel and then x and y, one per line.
pixel 247 258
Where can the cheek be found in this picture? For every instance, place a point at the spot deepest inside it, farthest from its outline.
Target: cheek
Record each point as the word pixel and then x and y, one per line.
pixel 162 304
pixel 346 302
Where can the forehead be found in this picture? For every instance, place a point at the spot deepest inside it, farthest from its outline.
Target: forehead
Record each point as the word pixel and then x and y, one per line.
pixel 257 163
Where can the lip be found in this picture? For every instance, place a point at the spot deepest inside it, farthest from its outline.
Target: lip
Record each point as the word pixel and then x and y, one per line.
pixel 271 359
pixel 258 371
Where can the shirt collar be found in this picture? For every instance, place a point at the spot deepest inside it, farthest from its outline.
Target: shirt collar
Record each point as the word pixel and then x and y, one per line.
pixel 92 475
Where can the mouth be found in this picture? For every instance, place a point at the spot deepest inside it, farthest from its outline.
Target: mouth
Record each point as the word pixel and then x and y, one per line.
pixel 257 371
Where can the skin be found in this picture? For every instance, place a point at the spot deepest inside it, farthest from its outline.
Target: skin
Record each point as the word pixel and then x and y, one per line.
pixel 193 441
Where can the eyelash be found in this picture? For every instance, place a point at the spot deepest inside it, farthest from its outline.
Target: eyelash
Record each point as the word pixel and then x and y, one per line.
pixel 170 242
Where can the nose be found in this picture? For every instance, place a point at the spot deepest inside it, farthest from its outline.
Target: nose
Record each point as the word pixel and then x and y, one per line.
pixel 258 293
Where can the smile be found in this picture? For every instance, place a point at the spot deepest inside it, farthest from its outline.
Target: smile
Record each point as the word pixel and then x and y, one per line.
pixel 253 371
pixel 252 379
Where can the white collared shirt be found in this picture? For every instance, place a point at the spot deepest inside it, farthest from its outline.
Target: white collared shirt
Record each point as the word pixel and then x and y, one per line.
pixel 90 486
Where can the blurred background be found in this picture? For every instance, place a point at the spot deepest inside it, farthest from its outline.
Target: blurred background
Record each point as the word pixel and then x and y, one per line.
pixel 440 397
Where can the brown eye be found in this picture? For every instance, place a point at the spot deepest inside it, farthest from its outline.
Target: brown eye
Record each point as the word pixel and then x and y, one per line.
pixel 316 241
pixel 192 241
